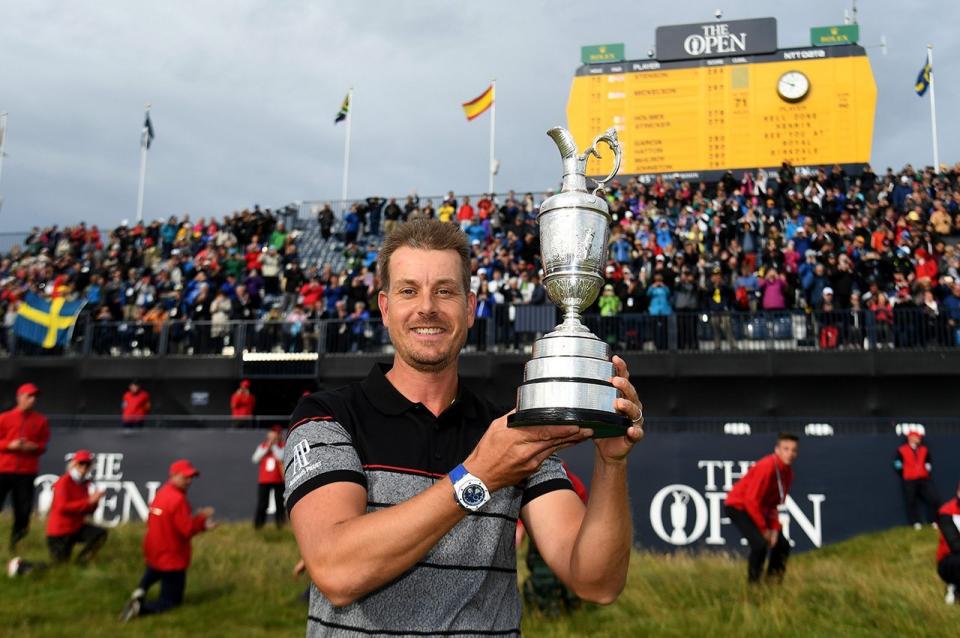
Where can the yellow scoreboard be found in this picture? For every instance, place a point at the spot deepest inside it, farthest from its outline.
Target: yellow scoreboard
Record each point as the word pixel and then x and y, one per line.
pixel 699 118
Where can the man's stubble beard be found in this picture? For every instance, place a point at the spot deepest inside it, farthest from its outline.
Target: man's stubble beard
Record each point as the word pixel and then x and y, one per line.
pixel 433 366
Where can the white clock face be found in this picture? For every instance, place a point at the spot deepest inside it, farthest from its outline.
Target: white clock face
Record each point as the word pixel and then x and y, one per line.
pixel 793 86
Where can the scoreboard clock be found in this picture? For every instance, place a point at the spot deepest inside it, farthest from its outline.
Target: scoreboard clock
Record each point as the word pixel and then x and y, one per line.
pixel 793 86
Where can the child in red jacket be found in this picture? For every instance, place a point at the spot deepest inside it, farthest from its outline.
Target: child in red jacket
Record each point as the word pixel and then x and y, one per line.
pixel 170 527
pixel 72 503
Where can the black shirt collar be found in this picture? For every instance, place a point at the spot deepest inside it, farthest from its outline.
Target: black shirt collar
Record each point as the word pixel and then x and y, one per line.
pixel 388 400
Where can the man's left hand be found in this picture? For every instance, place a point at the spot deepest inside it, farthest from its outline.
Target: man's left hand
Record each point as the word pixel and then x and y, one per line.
pixel 615 449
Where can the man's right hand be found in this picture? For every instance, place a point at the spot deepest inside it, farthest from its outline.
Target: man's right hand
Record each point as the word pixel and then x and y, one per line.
pixel 96 496
pixel 16 444
pixel 771 536
pixel 505 456
pixel 206 512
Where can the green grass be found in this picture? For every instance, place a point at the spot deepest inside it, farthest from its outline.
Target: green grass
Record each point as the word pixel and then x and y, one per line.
pixel 240 584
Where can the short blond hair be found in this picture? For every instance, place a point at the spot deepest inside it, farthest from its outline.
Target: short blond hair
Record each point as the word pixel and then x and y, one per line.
pixel 425 234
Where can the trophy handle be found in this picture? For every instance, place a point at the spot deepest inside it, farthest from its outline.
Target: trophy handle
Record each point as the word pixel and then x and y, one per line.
pixel 609 137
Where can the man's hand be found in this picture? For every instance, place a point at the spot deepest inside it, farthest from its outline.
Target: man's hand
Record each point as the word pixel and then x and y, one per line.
pixel 505 456
pixel 16 444
pixel 28 446
pixel 615 449
pixel 771 536
pixel 206 512
pixel 96 496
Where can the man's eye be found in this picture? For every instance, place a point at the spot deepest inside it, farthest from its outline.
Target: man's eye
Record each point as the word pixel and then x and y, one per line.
pixel 406 291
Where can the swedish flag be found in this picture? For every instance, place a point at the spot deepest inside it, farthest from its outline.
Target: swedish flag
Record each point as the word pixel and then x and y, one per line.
pixel 344 110
pixel 46 323
pixel 923 78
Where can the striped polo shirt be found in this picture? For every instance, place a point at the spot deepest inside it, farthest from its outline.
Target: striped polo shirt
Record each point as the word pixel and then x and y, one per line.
pixel 370 434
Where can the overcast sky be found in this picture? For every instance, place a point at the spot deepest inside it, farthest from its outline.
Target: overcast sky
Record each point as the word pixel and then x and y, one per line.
pixel 244 94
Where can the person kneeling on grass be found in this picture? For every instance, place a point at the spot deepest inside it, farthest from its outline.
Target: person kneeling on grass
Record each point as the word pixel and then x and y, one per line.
pixel 72 503
pixel 166 547
pixel 948 552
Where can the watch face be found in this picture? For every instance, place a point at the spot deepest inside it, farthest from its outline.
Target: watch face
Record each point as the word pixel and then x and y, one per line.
pixel 473 495
pixel 793 86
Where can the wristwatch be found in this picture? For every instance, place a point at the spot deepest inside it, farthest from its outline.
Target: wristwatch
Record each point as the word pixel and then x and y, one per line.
pixel 469 491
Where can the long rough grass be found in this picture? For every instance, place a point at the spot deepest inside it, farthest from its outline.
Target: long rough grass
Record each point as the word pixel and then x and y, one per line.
pixel 241 585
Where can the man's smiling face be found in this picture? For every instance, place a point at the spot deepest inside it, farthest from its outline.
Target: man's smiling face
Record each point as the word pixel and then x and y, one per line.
pixel 426 309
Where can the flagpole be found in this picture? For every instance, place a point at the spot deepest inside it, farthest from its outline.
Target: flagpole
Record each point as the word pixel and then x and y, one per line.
pixel 3 145
pixel 933 113
pixel 493 135
pixel 346 150
pixel 143 172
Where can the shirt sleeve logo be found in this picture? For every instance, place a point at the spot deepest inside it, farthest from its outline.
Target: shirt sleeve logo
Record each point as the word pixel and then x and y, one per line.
pixel 300 452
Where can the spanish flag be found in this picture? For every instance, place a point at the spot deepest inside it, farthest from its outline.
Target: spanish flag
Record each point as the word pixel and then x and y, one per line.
pixel 923 78
pixel 476 107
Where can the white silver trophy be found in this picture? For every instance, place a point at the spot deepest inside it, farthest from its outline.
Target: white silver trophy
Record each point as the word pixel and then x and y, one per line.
pixel 567 382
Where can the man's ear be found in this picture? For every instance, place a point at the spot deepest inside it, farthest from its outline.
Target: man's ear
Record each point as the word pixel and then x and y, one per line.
pixel 382 304
pixel 471 308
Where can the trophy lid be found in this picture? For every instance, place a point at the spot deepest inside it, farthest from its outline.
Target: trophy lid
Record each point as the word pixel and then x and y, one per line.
pixel 573 192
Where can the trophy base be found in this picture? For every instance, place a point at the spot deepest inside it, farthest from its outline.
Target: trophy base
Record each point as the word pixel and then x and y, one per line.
pixel 604 424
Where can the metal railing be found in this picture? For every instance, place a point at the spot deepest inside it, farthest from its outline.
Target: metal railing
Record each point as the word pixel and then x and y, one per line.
pixel 167 421
pixel 819 426
pixel 514 328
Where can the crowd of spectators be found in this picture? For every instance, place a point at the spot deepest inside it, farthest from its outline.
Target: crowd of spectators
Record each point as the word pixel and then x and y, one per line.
pixel 851 251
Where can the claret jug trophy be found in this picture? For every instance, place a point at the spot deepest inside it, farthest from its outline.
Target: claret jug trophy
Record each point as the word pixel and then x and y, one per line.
pixel 567 382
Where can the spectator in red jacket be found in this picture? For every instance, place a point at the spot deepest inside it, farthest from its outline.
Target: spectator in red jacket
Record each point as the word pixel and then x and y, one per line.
pixel 170 527
pixel 135 406
pixel 72 503
pixel 269 457
pixel 24 434
pixel 948 552
pixel 915 465
pixel 243 402
pixel 753 506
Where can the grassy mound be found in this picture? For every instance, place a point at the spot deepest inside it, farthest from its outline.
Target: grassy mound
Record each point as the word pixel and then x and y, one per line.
pixel 241 585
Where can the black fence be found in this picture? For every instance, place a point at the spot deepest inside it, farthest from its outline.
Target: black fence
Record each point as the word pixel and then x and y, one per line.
pixel 514 328
pixel 730 425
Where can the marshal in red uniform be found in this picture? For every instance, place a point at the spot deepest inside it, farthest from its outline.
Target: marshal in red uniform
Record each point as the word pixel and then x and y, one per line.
pixel 136 405
pixel 269 458
pixel 166 548
pixel 753 506
pixel 915 465
pixel 948 552
pixel 24 434
pixel 243 403
pixel 72 503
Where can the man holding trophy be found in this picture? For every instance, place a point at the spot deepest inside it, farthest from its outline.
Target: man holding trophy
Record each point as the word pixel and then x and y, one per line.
pixel 404 489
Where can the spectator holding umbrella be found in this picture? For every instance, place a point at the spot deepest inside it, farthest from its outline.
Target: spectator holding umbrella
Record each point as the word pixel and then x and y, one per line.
pixel 166 548
pixel 269 458
pixel 243 402
pixel 135 406
pixel 72 503
pixel 24 434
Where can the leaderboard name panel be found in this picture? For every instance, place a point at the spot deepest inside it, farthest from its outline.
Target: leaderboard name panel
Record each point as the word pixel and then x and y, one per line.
pixel 731 116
